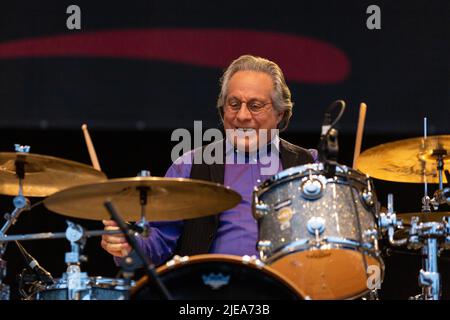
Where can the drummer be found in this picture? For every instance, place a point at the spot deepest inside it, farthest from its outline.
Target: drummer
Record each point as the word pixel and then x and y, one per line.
pixel 254 98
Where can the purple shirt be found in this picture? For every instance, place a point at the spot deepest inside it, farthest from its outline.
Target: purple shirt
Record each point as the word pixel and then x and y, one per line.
pixel 237 231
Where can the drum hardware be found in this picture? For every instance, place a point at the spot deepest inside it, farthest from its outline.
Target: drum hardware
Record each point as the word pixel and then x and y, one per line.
pixel 442 196
pixel 77 281
pixel 21 204
pixel 41 274
pixel 429 237
pixel 53 235
pixel 416 160
pixel 328 145
pixel 263 246
pixel 177 260
pixel 29 284
pixel 143 200
pixel 129 235
pixel 312 188
pixel 429 277
pixel 316 226
pixel 74 284
pixel 33 278
pixel 96 288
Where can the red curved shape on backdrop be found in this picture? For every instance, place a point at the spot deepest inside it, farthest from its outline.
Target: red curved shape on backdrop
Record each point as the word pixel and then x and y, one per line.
pixel 302 59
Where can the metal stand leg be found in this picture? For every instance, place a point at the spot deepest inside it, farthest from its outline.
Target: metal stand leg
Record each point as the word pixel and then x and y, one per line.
pixel 4 289
pixel 21 204
pixel 429 278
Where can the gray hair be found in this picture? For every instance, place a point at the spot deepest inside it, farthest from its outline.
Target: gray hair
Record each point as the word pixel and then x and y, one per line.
pixel 281 95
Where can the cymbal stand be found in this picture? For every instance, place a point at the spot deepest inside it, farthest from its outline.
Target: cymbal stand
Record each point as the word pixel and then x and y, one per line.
pixel 77 281
pixel 129 235
pixel 20 204
pixel 422 236
pixel 387 221
pixel 143 199
pixel 426 200
pixel 426 236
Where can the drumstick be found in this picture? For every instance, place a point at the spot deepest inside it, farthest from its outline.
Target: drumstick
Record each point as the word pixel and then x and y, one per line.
pixel 91 148
pixel 359 132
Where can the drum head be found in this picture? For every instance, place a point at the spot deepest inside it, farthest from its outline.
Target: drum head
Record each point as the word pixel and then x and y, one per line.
pixel 328 274
pixel 218 277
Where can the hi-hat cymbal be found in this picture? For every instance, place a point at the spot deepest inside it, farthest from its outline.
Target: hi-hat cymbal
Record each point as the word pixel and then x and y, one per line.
pixel 168 199
pixel 410 160
pixel 44 175
pixel 423 217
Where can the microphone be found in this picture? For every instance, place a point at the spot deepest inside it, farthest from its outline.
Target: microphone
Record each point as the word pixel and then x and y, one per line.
pixel 328 145
pixel 43 275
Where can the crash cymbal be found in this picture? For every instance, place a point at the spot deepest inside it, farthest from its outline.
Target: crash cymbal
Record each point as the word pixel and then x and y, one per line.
pixel 168 199
pixel 44 175
pixel 410 160
pixel 423 217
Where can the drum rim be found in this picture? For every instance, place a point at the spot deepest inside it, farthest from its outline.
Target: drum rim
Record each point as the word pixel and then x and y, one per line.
pixel 318 168
pixel 218 257
pixel 91 282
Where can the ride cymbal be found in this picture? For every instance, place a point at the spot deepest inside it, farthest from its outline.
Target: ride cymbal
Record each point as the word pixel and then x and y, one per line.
pixel 411 160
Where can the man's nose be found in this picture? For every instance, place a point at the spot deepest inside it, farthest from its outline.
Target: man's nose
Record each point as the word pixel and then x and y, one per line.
pixel 244 114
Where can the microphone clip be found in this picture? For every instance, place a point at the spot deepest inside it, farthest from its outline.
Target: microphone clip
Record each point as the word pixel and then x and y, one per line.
pixel 329 146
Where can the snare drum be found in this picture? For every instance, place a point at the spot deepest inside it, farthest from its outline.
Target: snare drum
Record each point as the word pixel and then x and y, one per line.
pixel 218 276
pixel 97 288
pixel 310 232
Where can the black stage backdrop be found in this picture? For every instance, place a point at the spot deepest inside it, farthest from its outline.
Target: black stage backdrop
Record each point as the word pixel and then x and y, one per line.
pixel 138 70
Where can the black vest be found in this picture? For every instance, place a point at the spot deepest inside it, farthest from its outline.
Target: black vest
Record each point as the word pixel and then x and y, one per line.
pixel 198 234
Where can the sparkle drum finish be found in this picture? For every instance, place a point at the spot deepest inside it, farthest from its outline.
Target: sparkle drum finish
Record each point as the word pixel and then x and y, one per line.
pixel 314 232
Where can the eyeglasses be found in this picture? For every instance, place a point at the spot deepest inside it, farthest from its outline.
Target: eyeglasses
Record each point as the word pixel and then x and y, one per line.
pixel 254 106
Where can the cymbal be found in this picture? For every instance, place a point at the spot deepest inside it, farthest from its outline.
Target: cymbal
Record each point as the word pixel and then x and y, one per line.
pixel 44 175
pixel 423 217
pixel 168 199
pixel 411 160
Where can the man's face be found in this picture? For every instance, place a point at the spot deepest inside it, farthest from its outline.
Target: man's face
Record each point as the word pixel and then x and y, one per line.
pixel 248 109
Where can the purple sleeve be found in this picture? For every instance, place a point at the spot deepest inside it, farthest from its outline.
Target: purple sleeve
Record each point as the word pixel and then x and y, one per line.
pixel 163 235
pixel 315 155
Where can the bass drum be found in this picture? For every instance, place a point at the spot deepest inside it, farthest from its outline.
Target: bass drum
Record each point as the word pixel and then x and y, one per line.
pixel 217 277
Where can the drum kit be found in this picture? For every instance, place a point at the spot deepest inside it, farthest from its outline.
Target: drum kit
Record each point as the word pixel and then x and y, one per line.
pixel 319 227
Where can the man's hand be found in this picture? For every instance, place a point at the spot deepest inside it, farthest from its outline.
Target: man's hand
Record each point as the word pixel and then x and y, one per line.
pixel 117 244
